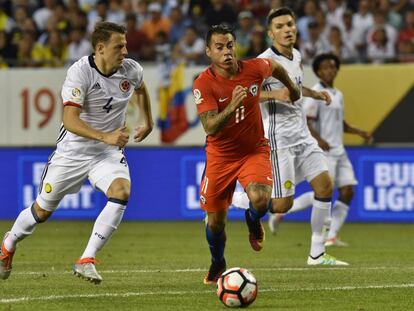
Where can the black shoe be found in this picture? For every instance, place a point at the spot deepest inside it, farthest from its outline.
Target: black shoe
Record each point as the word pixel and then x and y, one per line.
pixel 215 271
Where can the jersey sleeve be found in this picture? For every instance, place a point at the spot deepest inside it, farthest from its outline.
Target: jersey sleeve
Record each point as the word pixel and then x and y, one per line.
pixel 264 67
pixel 203 96
pixel 74 88
pixel 137 75
pixel 311 108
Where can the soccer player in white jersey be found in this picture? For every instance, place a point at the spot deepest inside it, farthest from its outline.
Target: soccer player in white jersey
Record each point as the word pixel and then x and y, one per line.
pixel 90 145
pixel 295 154
pixel 327 125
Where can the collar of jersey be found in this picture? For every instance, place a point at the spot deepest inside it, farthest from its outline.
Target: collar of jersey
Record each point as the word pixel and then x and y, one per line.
pixel 93 65
pixel 280 54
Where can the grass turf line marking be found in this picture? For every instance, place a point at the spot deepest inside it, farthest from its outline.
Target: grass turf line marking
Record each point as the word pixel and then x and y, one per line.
pixel 181 293
pixel 190 270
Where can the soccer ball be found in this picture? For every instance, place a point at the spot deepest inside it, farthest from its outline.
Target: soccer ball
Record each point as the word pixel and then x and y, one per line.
pixel 237 287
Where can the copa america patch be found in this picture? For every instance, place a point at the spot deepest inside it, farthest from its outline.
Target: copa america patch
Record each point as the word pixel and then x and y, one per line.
pixel 197 97
pixel 253 89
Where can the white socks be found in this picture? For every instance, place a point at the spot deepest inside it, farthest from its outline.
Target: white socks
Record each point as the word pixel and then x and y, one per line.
pixel 24 225
pixel 106 223
pixel 302 202
pixel 339 213
pixel 320 212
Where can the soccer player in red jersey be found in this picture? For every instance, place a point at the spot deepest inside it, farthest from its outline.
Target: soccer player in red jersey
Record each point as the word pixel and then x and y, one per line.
pixel 227 99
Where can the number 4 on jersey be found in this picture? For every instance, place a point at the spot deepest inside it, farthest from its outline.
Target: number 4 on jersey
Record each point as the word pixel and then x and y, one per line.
pixel 108 107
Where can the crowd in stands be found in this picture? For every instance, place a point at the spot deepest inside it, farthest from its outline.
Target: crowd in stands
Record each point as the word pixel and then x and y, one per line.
pixel 55 33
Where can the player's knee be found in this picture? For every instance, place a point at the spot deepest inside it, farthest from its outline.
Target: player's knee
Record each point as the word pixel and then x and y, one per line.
pixel 260 203
pixel 120 189
pixel 39 213
pixel 346 194
pixel 324 188
pixel 216 225
pixel 282 205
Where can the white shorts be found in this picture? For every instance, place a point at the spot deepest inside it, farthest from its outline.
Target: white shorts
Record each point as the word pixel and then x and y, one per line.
pixel 341 170
pixel 63 176
pixel 292 165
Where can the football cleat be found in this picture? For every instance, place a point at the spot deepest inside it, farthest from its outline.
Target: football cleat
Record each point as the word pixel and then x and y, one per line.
pixel 6 259
pixel 335 242
pixel 85 269
pixel 256 232
pixel 326 260
pixel 274 221
pixel 215 271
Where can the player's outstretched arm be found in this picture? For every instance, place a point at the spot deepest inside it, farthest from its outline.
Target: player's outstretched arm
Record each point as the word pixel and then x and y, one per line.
pixel 281 74
pixel 73 123
pixel 322 95
pixel 213 121
pixel 144 105
pixel 279 95
pixel 321 142
pixel 348 128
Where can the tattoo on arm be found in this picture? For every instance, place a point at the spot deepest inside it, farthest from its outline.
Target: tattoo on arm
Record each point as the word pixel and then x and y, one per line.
pixel 213 121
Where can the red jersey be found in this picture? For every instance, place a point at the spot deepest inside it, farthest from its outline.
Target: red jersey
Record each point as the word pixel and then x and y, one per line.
pixel 244 130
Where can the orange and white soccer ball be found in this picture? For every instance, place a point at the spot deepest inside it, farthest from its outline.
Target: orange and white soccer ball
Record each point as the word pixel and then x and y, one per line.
pixel 237 287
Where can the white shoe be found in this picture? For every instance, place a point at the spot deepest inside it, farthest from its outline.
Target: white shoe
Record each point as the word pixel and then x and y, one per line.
pixel 327 260
pixel 85 268
pixel 335 242
pixel 274 221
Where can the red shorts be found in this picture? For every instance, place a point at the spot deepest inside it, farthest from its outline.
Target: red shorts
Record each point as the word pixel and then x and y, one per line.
pixel 220 176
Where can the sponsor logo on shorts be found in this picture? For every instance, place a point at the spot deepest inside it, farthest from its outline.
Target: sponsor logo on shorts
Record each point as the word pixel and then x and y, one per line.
pixel 203 199
pixel 288 184
pixel 48 188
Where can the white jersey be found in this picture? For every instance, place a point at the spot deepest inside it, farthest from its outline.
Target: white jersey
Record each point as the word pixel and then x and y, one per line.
pixel 103 100
pixel 328 119
pixel 284 123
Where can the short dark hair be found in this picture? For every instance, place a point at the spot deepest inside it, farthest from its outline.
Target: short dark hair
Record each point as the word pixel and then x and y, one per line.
pixel 279 12
pixel 104 30
pixel 321 57
pixel 221 29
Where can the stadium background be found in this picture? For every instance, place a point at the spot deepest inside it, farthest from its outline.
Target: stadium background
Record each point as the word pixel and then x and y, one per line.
pixel 166 168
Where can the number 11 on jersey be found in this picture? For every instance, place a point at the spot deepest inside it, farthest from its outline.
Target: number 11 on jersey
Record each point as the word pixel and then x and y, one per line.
pixel 240 114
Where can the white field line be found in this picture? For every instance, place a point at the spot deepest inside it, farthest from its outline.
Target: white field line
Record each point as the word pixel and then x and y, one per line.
pixel 191 270
pixel 181 293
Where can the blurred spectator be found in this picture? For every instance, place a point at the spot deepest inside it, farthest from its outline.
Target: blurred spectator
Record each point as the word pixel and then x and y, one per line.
pixel 380 50
pixel 191 47
pixel 42 15
pixel 244 32
pixel 335 10
pixel 351 35
pixel 258 42
pixel 138 45
pixel 8 51
pixel 259 8
pixel 25 50
pixel 167 6
pixel 99 14
pixel 393 18
pixel 405 51
pixel 115 14
pixel 87 5
pixel 78 47
pixel 320 20
pixel 157 23
pixel 362 20
pixel 309 9
pixel 179 24
pixel 6 23
pixel 380 21
pixel 20 16
pixel 162 47
pixel 141 12
pixel 407 32
pixel 220 12
pixel 273 5
pixel 315 45
pixel 54 53
pixel 344 50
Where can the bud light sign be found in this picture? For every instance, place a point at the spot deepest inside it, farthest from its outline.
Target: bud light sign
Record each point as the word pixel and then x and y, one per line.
pixel 387 185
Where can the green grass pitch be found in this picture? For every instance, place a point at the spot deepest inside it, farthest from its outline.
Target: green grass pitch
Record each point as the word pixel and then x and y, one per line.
pixel 160 266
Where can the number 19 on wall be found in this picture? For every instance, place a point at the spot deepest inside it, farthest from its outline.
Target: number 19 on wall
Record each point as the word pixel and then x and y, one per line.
pixel 44 103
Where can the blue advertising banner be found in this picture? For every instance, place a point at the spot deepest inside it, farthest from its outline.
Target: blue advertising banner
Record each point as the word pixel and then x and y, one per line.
pixel 166 182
